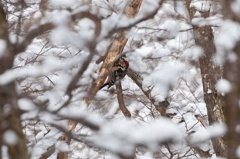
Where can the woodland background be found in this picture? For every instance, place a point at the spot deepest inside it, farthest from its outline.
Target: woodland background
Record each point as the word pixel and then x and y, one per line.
pixel 180 98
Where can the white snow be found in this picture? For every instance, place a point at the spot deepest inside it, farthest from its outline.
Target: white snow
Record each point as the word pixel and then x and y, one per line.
pixel 61 18
pixel 86 29
pixel 193 53
pixel 62 146
pixel 237 128
pixel 37 15
pixel 213 131
pixel 217 130
pixel 65 36
pixel 238 151
pixel 235 6
pixel 172 28
pixel 123 135
pixel 50 64
pixel 160 49
pixel 159 131
pixel 164 78
pixel 26 104
pixel 4 151
pixel 62 3
pixel 223 86
pixel 13 37
pixel 209 91
pixel 10 137
pixel 201 5
pixel 3 45
pixel 214 21
pixel 228 36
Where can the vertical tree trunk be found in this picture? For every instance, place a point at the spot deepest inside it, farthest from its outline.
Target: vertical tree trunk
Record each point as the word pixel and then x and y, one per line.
pixel 11 134
pixel 11 128
pixel 211 73
pixel 232 112
pixel 232 74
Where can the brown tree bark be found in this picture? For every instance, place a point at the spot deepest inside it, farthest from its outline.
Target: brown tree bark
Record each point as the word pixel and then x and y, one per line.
pixel 10 115
pixel 211 73
pixel 121 103
pixel 232 74
pixel 11 123
pixel 232 111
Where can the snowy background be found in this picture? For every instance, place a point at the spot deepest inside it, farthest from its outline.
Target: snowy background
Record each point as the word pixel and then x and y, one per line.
pixel 160 49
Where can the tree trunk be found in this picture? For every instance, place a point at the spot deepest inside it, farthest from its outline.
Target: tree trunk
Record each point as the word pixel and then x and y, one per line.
pixel 211 73
pixel 232 112
pixel 232 74
pixel 11 134
pixel 11 128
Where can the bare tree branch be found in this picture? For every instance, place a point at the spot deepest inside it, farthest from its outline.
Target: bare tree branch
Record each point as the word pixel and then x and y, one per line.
pixel 159 106
pixel 135 22
pixel 44 28
pixel 121 103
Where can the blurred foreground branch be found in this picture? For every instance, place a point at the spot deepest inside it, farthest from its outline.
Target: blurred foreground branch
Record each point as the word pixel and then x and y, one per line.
pixel 159 106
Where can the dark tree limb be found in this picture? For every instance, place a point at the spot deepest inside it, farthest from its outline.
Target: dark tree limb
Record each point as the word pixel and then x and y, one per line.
pixel 121 103
pixel 159 106
pixel 49 152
